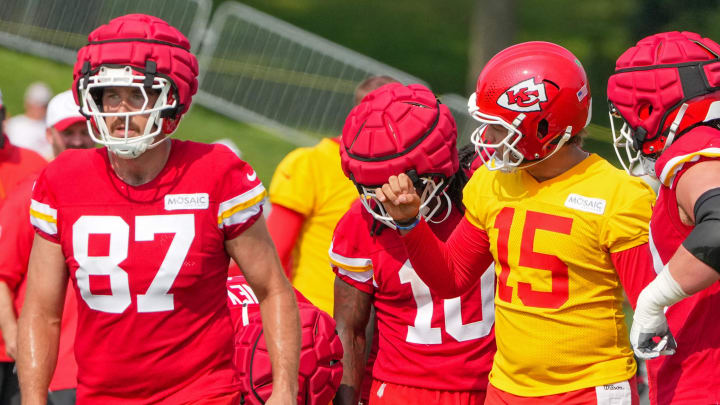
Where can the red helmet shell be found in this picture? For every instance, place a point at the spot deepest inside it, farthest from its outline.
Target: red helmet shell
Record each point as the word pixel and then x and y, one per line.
pixel 395 129
pixel 656 76
pixel 133 40
pixel 541 80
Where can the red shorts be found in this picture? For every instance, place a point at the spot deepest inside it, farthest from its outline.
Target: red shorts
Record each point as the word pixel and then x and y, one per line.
pixel 622 393
pixel 382 393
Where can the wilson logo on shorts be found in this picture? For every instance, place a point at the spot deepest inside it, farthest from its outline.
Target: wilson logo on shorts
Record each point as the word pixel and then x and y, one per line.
pixel 524 96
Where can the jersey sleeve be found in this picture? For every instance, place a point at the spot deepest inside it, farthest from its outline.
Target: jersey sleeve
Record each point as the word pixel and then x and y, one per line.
pixel 16 236
pixel 350 252
pixel 627 225
pixel 701 142
pixel 241 198
pixel 43 209
pixel 292 183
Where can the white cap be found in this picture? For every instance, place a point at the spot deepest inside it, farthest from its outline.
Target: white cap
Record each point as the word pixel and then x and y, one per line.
pixel 38 93
pixel 63 112
pixel 231 145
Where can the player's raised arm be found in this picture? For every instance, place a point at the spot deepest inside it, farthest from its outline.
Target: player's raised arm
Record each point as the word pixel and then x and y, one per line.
pixel 692 268
pixel 254 252
pixel 39 323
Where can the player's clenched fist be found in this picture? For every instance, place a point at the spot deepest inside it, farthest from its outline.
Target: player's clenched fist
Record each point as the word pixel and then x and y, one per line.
pixel 399 198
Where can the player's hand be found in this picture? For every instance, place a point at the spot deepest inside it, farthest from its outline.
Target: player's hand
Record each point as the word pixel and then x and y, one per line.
pixel 10 338
pixel 399 198
pixel 642 334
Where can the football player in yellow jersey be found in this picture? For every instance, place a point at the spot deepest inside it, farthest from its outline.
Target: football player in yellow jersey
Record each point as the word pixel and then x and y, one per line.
pixel 310 194
pixel 562 225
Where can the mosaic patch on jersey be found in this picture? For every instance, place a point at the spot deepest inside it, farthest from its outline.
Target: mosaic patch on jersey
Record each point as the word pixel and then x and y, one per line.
pixel 197 201
pixel 586 204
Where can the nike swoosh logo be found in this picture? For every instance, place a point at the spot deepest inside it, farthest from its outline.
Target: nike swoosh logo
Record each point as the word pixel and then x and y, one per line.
pixel 252 176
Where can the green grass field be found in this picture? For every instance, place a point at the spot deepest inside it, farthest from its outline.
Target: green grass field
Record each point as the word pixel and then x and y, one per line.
pixel 263 150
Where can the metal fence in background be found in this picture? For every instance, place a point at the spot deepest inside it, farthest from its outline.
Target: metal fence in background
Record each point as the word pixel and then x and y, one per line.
pixel 56 29
pixel 465 123
pixel 260 69
pixel 253 67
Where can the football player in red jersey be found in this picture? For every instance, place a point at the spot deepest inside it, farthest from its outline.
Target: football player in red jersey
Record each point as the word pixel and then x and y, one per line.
pixel 666 92
pixel 145 228
pixel 563 227
pixel 16 166
pixel 430 350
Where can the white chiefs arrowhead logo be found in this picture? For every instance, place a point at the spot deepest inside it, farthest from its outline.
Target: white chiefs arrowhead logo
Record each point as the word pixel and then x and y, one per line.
pixel 524 96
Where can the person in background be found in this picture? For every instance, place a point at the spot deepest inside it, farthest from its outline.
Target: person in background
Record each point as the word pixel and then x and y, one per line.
pixel 16 164
pixel 309 193
pixel 28 130
pixel 66 129
pixel 665 96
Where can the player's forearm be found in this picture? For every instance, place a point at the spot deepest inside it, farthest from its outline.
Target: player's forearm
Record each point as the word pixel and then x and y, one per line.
pixel 353 342
pixel 284 226
pixel 8 319
pixel 451 268
pixel 38 338
pixel 351 313
pixel 691 274
pixel 281 326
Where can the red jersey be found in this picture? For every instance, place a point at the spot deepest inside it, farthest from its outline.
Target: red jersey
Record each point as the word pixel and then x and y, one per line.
pixel 15 243
pixel 424 341
pixel 692 374
pixel 16 165
pixel 149 266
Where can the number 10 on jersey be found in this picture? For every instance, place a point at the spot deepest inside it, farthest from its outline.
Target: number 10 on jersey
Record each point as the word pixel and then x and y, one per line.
pixel 422 331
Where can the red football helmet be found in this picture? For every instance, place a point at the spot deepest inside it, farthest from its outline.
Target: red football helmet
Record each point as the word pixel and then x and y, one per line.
pixel 400 129
pixel 141 51
pixel 320 358
pixel 539 92
pixel 662 86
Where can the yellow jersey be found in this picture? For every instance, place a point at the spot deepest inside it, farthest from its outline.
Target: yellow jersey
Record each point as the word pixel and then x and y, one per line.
pixel 310 181
pixel 559 322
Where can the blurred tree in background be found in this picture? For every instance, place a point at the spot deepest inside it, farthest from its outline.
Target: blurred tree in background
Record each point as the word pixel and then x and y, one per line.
pixel 445 42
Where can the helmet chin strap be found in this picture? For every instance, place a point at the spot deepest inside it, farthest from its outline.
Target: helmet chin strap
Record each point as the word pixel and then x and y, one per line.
pixel 429 215
pixel 674 126
pixel 563 140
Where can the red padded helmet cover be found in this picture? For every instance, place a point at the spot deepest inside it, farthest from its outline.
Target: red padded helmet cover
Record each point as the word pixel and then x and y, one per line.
pixel 647 86
pixel 132 40
pixel 320 358
pixel 397 128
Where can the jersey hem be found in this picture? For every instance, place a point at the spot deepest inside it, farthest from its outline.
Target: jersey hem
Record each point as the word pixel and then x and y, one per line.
pixel 538 392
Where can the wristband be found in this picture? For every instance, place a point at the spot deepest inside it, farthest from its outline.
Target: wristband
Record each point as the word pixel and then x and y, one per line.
pixel 404 226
